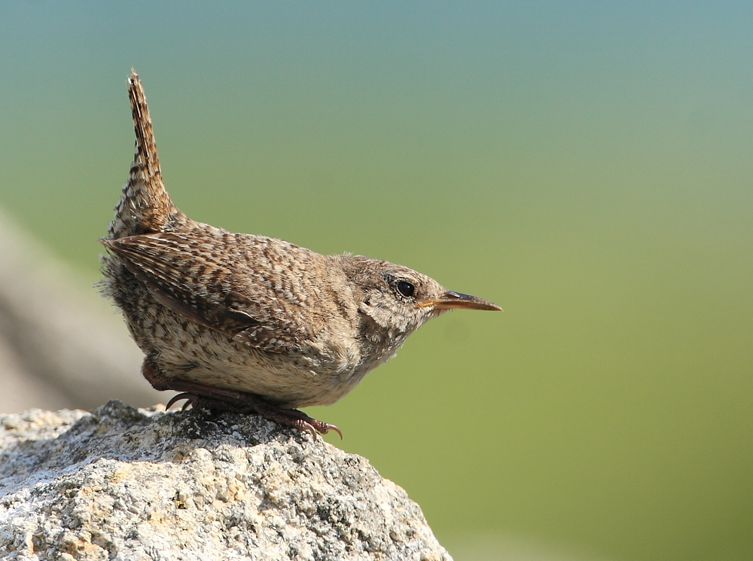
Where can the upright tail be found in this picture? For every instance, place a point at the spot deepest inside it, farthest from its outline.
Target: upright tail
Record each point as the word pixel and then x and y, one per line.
pixel 144 205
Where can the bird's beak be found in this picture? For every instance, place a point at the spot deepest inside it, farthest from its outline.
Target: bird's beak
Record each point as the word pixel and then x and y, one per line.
pixel 451 300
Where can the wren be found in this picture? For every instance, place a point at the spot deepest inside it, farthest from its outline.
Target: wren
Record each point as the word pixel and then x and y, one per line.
pixel 246 322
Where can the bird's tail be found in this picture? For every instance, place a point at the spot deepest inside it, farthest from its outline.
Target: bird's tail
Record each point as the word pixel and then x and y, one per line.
pixel 144 205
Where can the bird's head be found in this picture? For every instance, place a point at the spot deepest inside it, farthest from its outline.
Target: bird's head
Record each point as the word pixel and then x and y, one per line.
pixel 398 300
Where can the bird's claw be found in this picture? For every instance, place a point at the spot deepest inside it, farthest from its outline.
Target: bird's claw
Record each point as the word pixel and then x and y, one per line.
pixel 315 427
pixel 191 400
pixel 189 397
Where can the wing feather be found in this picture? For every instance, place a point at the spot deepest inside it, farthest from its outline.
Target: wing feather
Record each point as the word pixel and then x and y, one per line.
pixel 189 276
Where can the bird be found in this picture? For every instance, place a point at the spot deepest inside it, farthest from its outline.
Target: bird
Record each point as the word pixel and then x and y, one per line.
pixel 250 323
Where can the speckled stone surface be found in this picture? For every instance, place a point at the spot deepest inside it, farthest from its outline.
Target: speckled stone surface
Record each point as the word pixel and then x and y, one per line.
pixel 122 483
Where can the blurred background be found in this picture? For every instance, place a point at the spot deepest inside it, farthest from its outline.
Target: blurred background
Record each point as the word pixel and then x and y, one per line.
pixel 586 165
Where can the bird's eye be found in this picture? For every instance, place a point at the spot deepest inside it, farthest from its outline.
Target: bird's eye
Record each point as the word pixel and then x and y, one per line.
pixel 405 288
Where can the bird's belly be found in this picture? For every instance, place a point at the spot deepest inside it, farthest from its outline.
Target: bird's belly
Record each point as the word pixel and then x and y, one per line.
pixel 214 359
pixel 186 350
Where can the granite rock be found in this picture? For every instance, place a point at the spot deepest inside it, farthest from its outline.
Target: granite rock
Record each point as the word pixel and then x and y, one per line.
pixel 135 484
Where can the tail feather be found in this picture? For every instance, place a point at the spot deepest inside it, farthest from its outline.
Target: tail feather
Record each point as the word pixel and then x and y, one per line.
pixel 145 205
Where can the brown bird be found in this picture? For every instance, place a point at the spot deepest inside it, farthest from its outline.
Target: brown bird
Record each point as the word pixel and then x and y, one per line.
pixel 246 322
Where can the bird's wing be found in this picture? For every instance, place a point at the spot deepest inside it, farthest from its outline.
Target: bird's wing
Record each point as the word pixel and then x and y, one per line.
pixel 193 277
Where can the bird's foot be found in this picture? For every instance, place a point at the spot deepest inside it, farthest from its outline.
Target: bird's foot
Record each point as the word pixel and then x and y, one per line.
pixel 199 396
pixel 296 418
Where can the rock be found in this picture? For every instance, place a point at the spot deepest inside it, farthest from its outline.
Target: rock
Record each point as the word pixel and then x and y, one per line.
pixel 122 483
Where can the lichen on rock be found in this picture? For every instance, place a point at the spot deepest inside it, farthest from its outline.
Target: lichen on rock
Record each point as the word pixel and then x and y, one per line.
pixel 122 483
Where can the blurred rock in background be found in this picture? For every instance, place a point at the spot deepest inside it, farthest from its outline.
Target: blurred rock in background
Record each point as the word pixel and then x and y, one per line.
pixel 61 343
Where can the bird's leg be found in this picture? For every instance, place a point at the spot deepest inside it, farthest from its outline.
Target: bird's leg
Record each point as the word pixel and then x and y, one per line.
pixel 221 399
pixel 153 374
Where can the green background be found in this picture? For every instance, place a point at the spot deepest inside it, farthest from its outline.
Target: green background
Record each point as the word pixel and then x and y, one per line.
pixel 586 165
